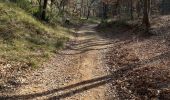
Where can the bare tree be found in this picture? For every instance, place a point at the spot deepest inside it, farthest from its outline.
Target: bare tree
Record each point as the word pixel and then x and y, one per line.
pixel 146 10
pixel 43 14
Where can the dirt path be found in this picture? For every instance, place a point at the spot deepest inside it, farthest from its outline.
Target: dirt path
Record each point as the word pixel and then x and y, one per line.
pixel 79 72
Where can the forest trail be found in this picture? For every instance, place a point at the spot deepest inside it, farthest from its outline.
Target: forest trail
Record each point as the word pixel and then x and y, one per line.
pixel 125 57
pixel 79 72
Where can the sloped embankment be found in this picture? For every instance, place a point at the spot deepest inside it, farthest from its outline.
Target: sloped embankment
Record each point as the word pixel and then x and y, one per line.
pixel 141 65
pixel 25 43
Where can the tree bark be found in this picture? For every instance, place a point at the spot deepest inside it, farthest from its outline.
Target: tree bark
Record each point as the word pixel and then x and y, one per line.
pixel 146 21
pixel 82 8
pixel 131 9
pixel 40 9
pixel 43 16
pixel 104 11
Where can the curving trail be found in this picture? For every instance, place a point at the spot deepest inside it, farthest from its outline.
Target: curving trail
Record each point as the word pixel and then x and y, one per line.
pixel 79 72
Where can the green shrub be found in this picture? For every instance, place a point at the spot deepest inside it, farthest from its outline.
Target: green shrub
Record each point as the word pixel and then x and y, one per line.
pixel 114 24
pixel 24 4
pixel 26 40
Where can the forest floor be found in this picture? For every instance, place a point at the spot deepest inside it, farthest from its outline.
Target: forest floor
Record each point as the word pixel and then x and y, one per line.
pixel 81 66
pixel 103 66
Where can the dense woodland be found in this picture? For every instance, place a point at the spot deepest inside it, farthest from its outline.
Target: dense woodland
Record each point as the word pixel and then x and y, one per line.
pixel 60 10
pixel 85 49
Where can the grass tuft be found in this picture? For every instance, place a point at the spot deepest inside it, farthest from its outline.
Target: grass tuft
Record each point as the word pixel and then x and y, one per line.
pixel 25 39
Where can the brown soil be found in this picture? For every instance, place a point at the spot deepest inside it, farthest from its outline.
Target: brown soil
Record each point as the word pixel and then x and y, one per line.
pixel 75 73
pixel 95 66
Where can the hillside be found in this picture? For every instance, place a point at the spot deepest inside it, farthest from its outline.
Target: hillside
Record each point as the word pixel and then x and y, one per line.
pixel 84 50
pixel 25 42
pixel 140 63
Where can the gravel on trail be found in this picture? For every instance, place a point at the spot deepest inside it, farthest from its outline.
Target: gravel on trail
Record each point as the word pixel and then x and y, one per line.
pixel 79 72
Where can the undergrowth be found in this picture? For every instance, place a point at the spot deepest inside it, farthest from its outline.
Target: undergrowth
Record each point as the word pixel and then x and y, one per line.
pixel 113 25
pixel 24 39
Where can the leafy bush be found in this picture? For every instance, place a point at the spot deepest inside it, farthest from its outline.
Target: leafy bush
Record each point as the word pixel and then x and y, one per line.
pixel 115 24
pixel 24 4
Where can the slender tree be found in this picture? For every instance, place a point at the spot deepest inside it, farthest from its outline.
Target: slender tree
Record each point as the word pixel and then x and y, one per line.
pixel 43 15
pixel 131 9
pixel 146 21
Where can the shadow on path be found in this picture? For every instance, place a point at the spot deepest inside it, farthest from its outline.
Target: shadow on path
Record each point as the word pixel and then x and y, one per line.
pixel 83 46
pixel 63 92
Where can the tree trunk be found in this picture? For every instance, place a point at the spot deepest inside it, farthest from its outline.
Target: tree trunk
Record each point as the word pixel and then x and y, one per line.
pixel 131 9
pixel 138 8
pixel 163 7
pixel 146 21
pixel 82 8
pixel 43 15
pixel 40 9
pixel 104 15
pixel 88 14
